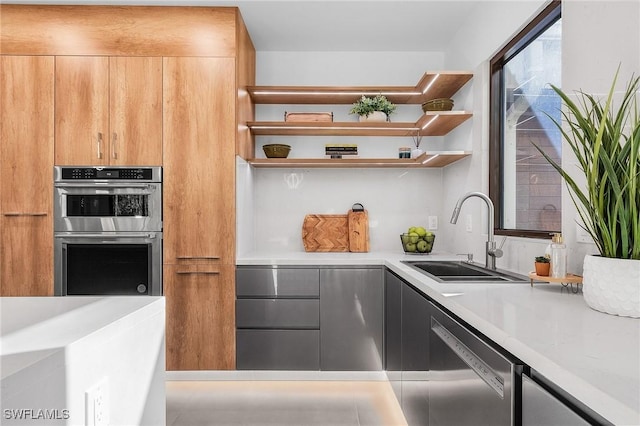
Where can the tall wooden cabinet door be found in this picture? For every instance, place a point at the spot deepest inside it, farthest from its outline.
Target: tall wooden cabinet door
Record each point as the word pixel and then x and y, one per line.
pixel 81 110
pixel 135 105
pixel 199 159
pixel 200 317
pixel 26 175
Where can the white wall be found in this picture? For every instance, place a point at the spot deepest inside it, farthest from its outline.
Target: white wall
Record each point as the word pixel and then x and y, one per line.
pixel 589 61
pixel 394 198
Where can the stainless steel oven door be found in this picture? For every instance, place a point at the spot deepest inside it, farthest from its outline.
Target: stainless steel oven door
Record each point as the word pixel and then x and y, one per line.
pixel 107 207
pixel 112 264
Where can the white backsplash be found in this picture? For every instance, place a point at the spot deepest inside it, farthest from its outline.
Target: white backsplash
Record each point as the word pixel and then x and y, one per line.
pixel 394 198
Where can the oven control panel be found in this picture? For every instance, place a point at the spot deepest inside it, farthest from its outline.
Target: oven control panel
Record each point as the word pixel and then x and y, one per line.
pixel 109 173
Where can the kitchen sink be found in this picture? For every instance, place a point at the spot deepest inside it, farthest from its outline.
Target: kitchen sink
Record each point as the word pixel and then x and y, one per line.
pixel 456 271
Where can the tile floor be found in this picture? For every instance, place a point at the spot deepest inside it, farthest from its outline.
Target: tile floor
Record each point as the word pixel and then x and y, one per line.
pixel 282 403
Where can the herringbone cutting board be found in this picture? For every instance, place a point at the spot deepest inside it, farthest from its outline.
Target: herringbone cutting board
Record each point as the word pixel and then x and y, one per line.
pixel 325 232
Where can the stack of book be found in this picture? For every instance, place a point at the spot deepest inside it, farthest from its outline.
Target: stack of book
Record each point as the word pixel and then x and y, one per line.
pixel 338 150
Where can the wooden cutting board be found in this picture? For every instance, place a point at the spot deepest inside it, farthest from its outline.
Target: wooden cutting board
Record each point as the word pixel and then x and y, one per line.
pixel 358 231
pixel 325 233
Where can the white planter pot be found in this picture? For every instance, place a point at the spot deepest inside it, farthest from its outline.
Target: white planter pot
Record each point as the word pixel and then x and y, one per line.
pixel 612 285
pixel 376 116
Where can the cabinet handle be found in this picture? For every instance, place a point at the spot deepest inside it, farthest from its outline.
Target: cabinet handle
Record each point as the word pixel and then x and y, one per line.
pixel 15 214
pixel 197 272
pixel 99 144
pixel 114 146
pixel 198 257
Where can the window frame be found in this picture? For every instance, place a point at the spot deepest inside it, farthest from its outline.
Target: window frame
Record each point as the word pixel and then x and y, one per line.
pixel 546 18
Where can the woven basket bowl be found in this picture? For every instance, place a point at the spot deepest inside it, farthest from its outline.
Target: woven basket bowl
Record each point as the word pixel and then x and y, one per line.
pixel 440 104
pixel 276 150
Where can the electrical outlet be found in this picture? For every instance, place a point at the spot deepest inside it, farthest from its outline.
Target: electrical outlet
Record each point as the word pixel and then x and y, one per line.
pixel 469 223
pixel 582 236
pixel 433 222
pixel 97 404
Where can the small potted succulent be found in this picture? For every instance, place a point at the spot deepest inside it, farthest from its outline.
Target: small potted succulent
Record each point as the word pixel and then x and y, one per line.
pixel 542 266
pixel 377 108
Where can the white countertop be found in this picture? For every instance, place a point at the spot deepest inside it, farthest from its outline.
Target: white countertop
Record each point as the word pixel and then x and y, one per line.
pixel 593 356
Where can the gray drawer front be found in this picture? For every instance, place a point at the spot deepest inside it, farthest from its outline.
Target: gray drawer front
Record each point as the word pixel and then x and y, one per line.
pixel 277 282
pixel 278 349
pixel 278 313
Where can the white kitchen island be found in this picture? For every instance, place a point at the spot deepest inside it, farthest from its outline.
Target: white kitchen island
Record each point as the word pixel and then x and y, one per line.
pixel 592 356
pixel 56 349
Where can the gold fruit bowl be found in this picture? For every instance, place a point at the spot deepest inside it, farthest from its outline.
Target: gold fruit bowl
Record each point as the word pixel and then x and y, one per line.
pixel 276 150
pixel 415 244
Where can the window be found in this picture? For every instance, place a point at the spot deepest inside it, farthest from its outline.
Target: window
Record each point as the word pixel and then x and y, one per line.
pixel 525 189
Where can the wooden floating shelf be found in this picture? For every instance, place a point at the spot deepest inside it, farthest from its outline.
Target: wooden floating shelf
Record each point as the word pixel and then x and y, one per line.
pixel 430 159
pixel 432 85
pixel 432 123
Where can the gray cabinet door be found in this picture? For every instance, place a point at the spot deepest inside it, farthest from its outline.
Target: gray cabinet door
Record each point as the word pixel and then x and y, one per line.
pixel 278 313
pixel 277 349
pixel 351 319
pixel 393 331
pixel 540 408
pixel 274 282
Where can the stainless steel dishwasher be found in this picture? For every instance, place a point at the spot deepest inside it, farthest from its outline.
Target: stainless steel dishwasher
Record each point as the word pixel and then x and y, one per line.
pixel 471 382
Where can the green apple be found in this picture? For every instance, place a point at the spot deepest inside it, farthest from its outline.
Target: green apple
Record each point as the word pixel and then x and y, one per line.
pixel 413 237
pixel 421 246
pixel 421 231
pixel 411 247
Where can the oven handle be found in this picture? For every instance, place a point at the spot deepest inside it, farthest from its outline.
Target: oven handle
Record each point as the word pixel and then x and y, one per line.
pixel 108 236
pixel 104 185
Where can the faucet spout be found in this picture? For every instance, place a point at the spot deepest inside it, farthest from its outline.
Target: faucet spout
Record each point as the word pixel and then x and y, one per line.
pixel 491 252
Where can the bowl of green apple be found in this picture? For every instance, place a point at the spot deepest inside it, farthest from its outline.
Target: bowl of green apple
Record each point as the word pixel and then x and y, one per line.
pixel 417 240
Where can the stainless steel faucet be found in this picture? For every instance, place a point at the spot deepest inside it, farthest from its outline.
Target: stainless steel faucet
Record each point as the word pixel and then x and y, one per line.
pixel 491 251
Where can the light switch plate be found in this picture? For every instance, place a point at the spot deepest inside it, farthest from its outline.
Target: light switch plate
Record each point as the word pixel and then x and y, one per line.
pixel 469 223
pixel 433 223
pixel 582 236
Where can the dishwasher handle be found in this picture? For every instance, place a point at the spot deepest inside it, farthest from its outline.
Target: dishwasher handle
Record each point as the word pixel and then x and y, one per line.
pixel 481 368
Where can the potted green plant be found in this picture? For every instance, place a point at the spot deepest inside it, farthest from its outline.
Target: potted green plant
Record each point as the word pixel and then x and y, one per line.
pixel 542 266
pixel 606 143
pixel 378 108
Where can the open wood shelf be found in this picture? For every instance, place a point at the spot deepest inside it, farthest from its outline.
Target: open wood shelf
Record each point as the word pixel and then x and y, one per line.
pixel 432 123
pixel 432 85
pixel 428 159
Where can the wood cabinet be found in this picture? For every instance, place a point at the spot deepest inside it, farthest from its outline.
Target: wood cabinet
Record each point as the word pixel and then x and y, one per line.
pixel 145 86
pixel 199 159
pixel 108 110
pixel 26 175
pixel 199 210
pixel 432 123
pixel 200 313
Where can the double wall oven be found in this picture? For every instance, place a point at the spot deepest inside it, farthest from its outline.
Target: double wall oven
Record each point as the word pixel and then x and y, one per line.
pixel 108 230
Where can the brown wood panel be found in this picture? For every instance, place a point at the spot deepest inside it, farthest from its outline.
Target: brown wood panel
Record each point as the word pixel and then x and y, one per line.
pixel 199 158
pixel 245 74
pixel 81 110
pixel 26 264
pixel 437 159
pixel 117 30
pixel 26 175
pixel 26 132
pixel 429 124
pixel 432 85
pixel 135 103
pixel 200 317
